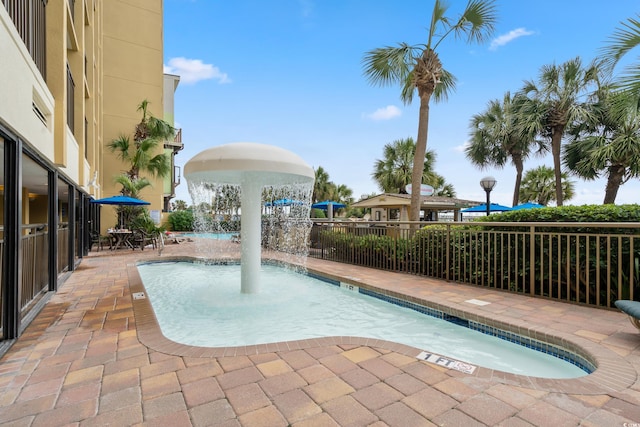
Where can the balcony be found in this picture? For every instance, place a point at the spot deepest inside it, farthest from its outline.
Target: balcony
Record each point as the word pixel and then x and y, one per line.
pixel 29 18
pixel 176 144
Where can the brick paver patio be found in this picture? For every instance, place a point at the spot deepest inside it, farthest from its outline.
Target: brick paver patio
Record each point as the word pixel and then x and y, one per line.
pixel 95 357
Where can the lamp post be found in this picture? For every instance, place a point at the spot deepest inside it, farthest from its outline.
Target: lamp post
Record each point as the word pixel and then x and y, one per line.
pixel 487 183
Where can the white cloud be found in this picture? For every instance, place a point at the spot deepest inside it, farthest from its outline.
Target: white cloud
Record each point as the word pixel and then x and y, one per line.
pixel 386 113
pixel 193 70
pixel 510 36
pixel 462 147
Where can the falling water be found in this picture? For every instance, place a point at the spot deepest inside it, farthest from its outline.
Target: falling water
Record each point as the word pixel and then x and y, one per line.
pixel 285 218
pixel 266 187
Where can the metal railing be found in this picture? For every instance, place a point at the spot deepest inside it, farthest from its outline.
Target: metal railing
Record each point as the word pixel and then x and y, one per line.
pixel 71 109
pixel 35 266
pixel 29 18
pixel 588 263
pixel 1 275
pixel 63 248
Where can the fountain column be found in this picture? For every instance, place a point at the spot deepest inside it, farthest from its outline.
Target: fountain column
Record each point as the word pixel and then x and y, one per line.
pixel 252 166
pixel 250 236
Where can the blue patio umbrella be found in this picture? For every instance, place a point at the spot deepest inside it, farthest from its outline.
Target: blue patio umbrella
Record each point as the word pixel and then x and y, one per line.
pixel 528 205
pixel 121 201
pixel 494 207
pixel 284 202
pixel 325 205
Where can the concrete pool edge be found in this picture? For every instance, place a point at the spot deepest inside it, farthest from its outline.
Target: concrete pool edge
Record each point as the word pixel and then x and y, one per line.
pixel 613 373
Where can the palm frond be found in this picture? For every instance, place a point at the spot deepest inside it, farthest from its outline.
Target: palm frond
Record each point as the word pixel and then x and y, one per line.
pixel 160 165
pixel 159 129
pixel 478 21
pixel 623 39
pixel 390 65
pixel 438 17
pixel 445 87
pixel 120 146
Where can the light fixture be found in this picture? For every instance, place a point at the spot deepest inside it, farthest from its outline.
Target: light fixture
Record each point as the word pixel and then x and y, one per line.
pixel 92 181
pixel 487 183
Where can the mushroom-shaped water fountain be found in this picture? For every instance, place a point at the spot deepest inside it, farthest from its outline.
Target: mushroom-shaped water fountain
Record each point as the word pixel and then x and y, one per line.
pixel 252 166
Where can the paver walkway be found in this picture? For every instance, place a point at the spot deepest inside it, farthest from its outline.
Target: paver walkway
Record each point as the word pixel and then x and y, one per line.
pixel 82 362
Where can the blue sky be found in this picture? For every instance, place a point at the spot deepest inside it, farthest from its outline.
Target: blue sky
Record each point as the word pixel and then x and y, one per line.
pixel 289 73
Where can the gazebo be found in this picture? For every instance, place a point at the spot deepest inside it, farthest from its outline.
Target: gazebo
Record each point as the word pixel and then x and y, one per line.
pixel 395 207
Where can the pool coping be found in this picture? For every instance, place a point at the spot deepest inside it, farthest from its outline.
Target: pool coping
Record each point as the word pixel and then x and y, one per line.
pixel 613 373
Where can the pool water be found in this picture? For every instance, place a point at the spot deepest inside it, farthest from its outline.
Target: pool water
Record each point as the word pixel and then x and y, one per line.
pixel 219 236
pixel 201 304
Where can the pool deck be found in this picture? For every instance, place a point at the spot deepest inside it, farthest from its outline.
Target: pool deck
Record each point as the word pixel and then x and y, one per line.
pixel 94 356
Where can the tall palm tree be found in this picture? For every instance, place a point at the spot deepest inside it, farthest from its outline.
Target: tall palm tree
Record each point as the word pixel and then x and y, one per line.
pixel 149 134
pixel 624 39
pixel 538 185
pixel 609 145
pixel 321 186
pixel 394 171
pixel 418 67
pixel 497 137
pixel 558 98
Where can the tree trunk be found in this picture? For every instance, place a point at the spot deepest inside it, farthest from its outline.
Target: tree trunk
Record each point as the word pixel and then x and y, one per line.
pixel 517 161
pixel 418 158
pixel 556 141
pixel 614 181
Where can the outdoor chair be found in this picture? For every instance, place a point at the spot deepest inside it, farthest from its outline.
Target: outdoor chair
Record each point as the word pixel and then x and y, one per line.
pixel 99 240
pixel 631 309
pixel 141 239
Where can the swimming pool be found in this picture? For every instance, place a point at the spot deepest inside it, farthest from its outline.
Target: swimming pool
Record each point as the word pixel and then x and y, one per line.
pixel 218 236
pixel 201 305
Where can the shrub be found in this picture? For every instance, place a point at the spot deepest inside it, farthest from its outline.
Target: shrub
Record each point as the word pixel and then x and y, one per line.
pixel 181 220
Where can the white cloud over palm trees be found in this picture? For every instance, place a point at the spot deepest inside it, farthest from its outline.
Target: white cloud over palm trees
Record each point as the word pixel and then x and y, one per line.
pixel 194 70
pixel 386 113
pixel 509 37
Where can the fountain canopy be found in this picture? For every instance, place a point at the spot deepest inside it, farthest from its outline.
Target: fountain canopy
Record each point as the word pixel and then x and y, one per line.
pixel 252 167
pixel 235 162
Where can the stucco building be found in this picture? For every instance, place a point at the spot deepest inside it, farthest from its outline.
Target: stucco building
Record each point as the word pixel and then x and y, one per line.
pixel 73 74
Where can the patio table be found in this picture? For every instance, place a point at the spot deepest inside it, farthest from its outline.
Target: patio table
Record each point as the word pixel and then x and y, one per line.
pixel 123 237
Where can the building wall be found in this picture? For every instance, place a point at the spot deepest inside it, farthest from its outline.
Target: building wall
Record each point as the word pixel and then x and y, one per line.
pixel 170 84
pixel 132 60
pixel 114 51
pixel 22 86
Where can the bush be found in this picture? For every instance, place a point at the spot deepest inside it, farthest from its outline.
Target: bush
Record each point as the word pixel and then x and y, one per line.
pixel 181 220
pixel 318 213
pixel 580 257
pixel 585 213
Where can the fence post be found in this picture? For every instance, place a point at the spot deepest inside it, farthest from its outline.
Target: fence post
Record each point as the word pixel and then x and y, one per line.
pixel 448 256
pixel 532 258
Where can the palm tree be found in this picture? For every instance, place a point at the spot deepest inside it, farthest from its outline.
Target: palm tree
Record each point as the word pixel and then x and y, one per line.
pixel 179 205
pixel 394 171
pixel 130 187
pixel 419 67
pixel 149 133
pixel 321 186
pixel 559 98
pixel 609 145
pixel 441 187
pixel 342 194
pixel 538 185
pixel 624 39
pixel 496 137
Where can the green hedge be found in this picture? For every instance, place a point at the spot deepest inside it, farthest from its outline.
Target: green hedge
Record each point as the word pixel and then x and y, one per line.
pixel 568 262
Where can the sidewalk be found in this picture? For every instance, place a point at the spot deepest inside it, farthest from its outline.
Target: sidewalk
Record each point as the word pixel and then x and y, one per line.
pixel 82 362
